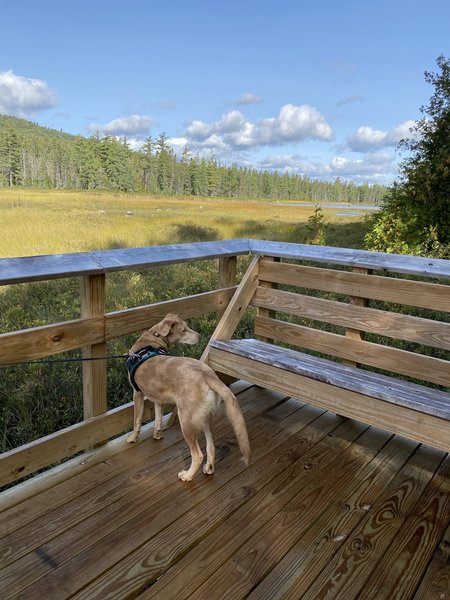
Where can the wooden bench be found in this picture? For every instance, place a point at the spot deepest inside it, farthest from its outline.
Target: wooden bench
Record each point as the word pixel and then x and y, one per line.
pixel 330 312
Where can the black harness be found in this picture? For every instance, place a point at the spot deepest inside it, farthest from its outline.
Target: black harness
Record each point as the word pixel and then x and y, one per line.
pixel 137 358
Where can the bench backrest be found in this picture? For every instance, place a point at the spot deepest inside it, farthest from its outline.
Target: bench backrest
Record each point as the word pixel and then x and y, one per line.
pixel 361 313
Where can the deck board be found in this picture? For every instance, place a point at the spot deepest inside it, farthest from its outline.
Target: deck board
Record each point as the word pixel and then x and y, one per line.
pixel 328 507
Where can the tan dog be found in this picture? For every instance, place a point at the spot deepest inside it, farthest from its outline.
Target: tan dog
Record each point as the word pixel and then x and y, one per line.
pixel 190 384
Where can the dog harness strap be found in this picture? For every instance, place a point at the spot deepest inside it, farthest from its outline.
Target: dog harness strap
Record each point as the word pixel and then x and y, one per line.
pixel 137 358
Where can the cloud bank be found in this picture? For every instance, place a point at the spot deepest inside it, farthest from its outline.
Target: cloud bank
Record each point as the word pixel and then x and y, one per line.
pixel 134 126
pixel 366 139
pixel 22 96
pixel 233 132
pixel 374 167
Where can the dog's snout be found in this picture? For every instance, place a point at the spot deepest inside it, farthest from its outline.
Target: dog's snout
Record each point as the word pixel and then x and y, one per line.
pixel 191 337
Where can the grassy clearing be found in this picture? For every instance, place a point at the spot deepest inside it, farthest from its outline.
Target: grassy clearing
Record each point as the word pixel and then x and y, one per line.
pixel 45 222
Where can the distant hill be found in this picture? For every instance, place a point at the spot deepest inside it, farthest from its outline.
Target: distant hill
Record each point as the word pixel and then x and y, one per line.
pixel 28 127
pixel 36 156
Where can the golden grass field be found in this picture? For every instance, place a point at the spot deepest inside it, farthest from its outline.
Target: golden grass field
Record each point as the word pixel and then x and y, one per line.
pixel 34 222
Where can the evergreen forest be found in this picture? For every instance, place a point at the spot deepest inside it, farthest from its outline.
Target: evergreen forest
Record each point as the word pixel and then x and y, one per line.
pixel 39 157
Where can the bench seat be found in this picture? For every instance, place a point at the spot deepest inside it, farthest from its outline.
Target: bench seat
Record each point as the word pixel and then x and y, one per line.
pixel 400 389
pixel 428 401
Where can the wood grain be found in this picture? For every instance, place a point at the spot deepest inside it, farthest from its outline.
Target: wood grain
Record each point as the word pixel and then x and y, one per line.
pixel 132 320
pixel 28 458
pixel 435 584
pixel 40 268
pixel 350 257
pixel 383 387
pixel 56 266
pixel 390 324
pixel 413 293
pixel 319 542
pixel 426 368
pixel 346 575
pixel 397 419
pixel 93 304
pixel 40 342
pixel 236 307
pixel 399 571
pixel 134 543
pixel 317 489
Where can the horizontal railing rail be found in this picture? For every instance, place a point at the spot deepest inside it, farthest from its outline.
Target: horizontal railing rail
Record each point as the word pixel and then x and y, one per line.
pixel 58 266
pixel 96 326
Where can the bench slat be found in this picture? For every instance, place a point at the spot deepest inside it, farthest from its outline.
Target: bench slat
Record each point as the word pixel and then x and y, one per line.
pixel 389 289
pixel 394 325
pixel 383 387
pixel 418 366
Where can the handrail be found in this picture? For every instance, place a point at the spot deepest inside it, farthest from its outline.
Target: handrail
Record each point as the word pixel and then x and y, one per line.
pixel 95 326
pixel 57 266
pixel 395 263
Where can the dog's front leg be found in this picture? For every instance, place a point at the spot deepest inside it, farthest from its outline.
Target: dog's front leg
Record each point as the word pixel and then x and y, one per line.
pixel 138 398
pixel 157 431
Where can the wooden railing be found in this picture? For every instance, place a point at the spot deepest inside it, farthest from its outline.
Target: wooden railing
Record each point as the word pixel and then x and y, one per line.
pixel 96 327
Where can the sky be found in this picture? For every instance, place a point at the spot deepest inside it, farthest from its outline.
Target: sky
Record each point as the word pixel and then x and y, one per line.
pixel 322 89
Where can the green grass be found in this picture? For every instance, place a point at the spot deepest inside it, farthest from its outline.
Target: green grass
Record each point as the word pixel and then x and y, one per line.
pixel 37 222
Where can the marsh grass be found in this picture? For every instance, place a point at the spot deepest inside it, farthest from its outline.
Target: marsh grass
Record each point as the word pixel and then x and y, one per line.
pixel 36 222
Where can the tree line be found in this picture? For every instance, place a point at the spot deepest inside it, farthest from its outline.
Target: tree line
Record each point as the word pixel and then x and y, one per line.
pixel 34 156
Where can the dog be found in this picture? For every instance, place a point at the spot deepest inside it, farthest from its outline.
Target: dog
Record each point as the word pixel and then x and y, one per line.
pixel 186 382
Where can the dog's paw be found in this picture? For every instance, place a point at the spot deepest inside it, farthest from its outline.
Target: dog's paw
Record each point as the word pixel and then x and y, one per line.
pixel 184 476
pixel 157 434
pixel 133 437
pixel 208 469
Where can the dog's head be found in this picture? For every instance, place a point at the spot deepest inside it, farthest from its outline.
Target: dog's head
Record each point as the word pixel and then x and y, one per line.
pixel 174 330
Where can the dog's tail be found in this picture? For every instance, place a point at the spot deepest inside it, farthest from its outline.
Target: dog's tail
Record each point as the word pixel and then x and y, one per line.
pixel 234 414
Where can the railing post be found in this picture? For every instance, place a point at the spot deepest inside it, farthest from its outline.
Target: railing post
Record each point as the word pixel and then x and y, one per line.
pixel 93 303
pixel 227 274
pixel 356 334
pixel 227 271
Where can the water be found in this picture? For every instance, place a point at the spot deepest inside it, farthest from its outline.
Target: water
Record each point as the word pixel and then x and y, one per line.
pixel 354 208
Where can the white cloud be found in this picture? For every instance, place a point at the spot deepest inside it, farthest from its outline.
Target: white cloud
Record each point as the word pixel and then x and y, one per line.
pixel 376 167
pixel 234 131
pixel 350 100
pixel 22 96
pixel 365 138
pixel 248 98
pixel 134 126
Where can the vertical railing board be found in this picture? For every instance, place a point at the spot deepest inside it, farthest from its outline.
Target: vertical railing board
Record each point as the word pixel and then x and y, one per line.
pixel 227 271
pixel 356 334
pixel 266 312
pixel 93 304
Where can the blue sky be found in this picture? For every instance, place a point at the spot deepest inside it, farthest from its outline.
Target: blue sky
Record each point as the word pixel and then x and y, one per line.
pixel 324 89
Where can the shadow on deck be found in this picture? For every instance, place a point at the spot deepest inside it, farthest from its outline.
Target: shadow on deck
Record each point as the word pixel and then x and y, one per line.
pixel 328 508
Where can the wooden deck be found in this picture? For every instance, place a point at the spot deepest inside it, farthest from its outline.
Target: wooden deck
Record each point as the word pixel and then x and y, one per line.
pixel 329 508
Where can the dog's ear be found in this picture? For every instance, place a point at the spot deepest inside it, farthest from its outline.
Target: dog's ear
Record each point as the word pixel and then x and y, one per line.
pixel 167 324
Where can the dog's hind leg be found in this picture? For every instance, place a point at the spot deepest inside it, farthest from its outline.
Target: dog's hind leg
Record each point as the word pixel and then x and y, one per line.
pixel 157 431
pixel 138 398
pixel 190 435
pixel 208 467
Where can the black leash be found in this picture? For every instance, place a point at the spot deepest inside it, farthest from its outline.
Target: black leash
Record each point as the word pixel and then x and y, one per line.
pixel 65 360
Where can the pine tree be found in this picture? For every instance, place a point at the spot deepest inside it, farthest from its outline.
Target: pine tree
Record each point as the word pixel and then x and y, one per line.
pixel 416 214
pixel 10 152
